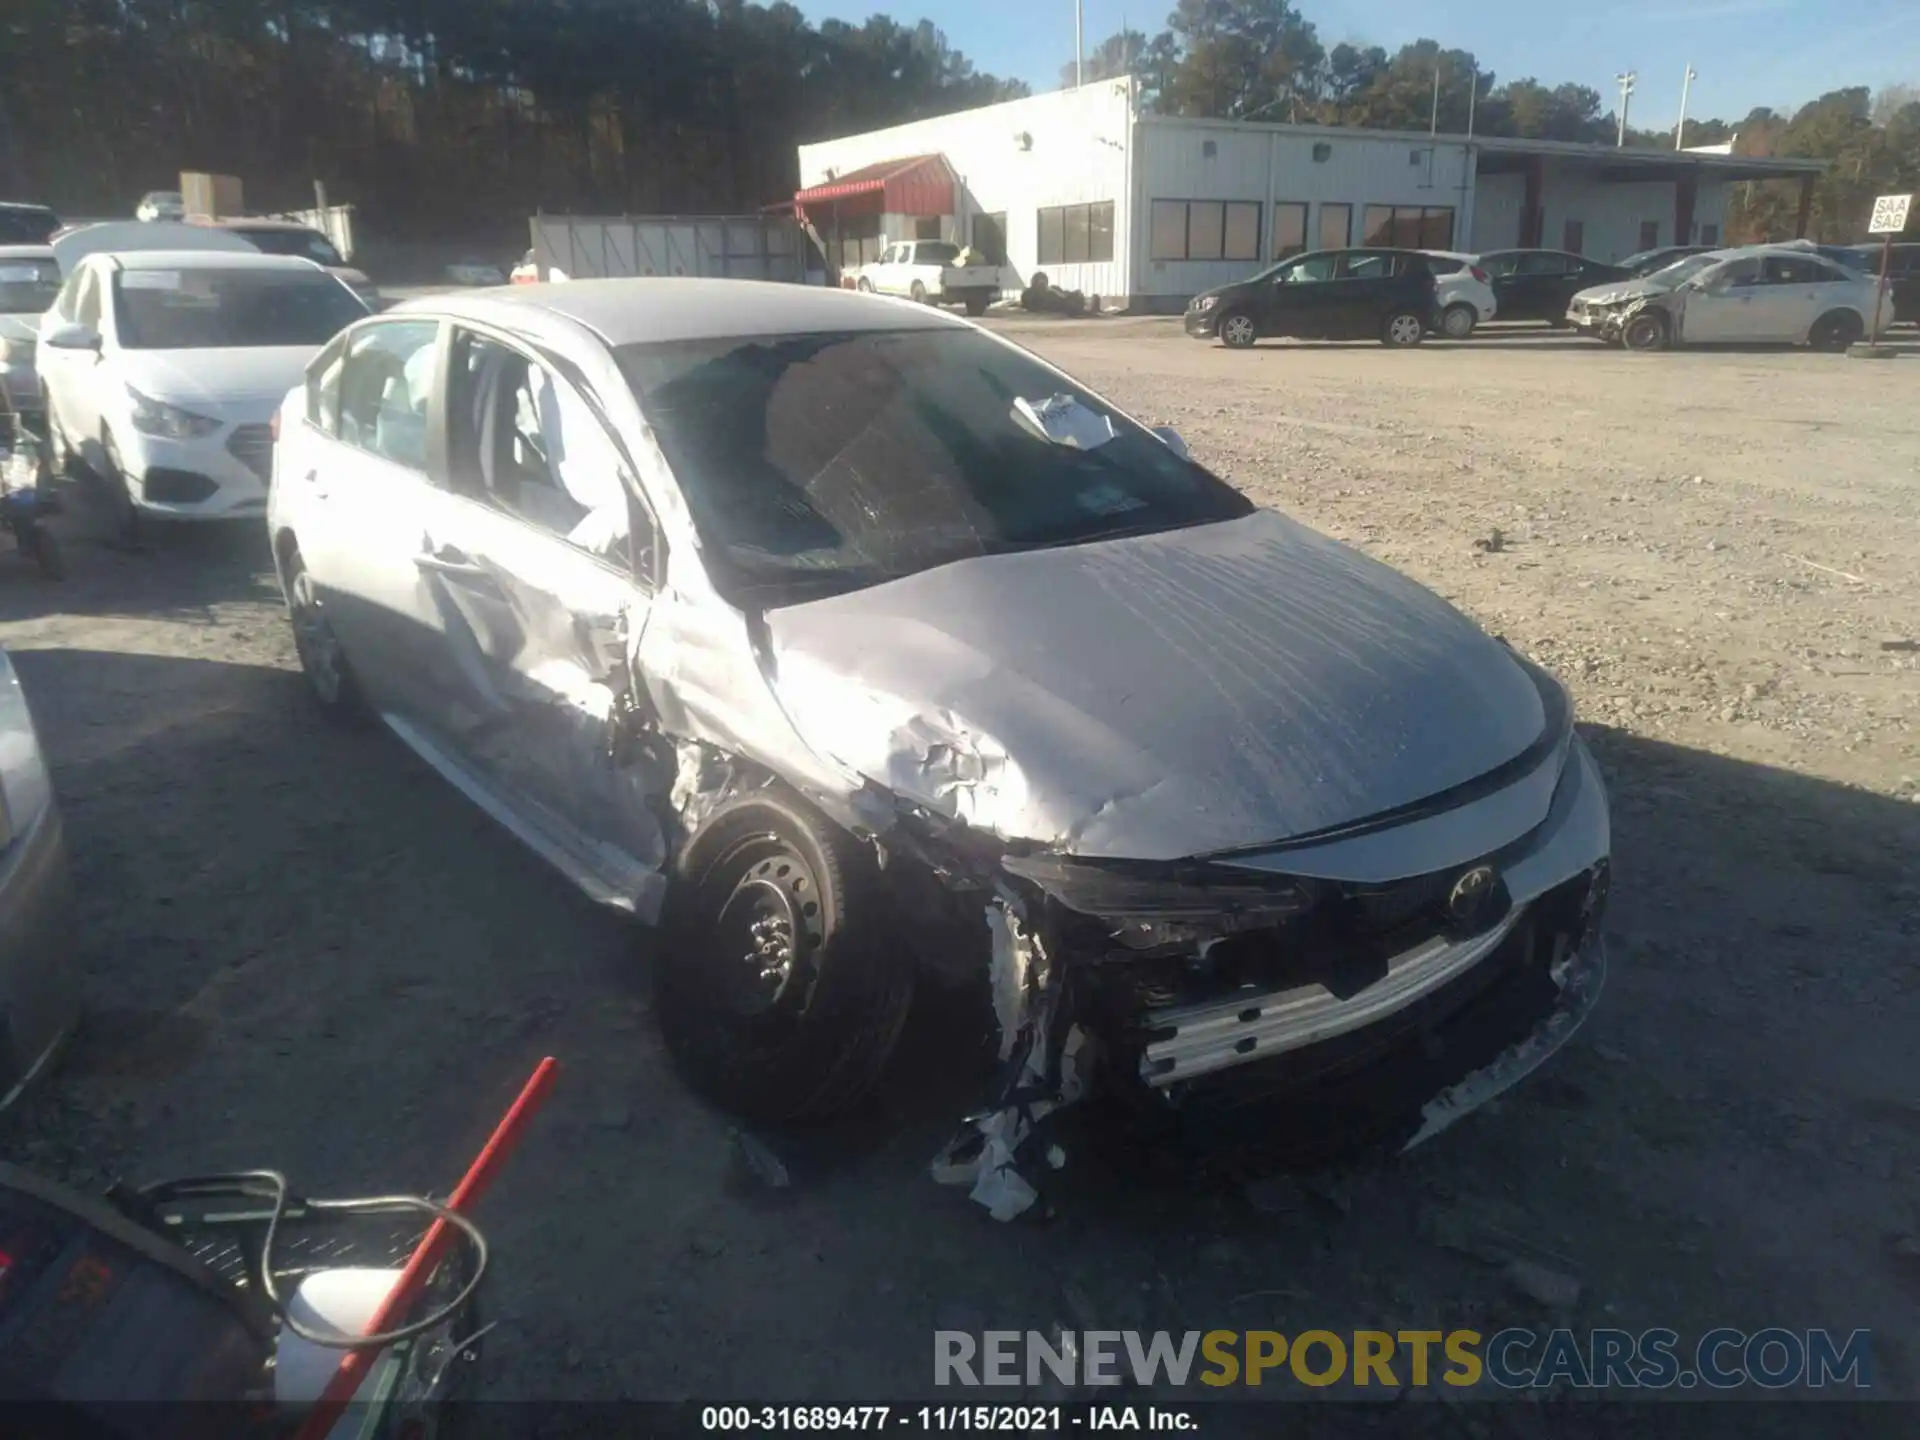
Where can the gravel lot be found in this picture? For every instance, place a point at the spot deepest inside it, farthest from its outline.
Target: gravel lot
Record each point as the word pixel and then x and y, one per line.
pixel 305 951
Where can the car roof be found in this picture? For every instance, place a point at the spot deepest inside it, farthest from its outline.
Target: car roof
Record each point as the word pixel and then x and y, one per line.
pixel 254 222
pixel 627 312
pixel 207 260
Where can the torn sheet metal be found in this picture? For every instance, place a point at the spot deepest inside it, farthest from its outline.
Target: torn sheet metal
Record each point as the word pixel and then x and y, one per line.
pixel 1158 696
pixel 988 1157
pixel 1581 976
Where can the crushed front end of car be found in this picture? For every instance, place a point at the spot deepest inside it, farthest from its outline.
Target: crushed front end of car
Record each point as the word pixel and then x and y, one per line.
pixel 1300 1002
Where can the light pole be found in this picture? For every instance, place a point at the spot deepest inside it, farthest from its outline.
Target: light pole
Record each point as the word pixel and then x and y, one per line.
pixel 1079 42
pixel 1625 79
pixel 1680 130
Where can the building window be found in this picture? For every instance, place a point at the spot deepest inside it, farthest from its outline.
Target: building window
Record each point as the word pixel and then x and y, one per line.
pixel 1709 234
pixel 1649 234
pixel 1289 228
pixel 926 227
pixel 1076 234
pixel 1574 237
pixel 1205 230
pixel 990 237
pixel 1336 227
pixel 1409 227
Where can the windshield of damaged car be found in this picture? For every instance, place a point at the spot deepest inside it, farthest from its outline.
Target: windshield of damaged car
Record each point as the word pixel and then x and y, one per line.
pixel 1681 271
pixel 818 463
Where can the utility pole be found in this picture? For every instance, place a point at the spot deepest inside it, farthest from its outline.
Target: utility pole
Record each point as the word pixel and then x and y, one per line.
pixel 1625 79
pixel 1680 130
pixel 1473 94
pixel 1079 43
pixel 1433 125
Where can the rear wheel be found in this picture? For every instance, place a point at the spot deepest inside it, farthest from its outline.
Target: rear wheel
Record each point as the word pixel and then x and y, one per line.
pixel 778 989
pixel 919 293
pixel 1402 330
pixel 1237 331
pixel 976 305
pixel 322 660
pixel 1645 331
pixel 1836 331
pixel 1457 321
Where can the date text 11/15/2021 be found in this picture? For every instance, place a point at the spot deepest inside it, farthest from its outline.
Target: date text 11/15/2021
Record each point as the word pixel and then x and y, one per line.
pixel 947 1419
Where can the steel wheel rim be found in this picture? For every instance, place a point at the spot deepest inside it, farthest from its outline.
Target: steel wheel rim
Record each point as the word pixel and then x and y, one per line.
pixel 768 929
pixel 1641 334
pixel 1458 323
pixel 1404 329
pixel 313 637
pixel 1238 330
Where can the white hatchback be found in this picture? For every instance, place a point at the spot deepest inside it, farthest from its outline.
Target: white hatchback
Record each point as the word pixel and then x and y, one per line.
pixel 162 371
pixel 1463 296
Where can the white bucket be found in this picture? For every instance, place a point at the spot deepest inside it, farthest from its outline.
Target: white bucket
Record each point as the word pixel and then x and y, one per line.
pixel 339 1302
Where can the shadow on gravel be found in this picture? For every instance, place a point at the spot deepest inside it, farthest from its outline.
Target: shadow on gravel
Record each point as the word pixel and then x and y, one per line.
pixel 304 950
pixel 181 571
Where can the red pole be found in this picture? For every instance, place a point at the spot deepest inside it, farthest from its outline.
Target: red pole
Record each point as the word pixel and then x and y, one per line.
pixel 354 1364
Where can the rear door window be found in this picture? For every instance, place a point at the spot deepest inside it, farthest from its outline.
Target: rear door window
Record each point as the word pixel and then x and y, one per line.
pixel 1364 265
pixel 1543 263
pixel 386 386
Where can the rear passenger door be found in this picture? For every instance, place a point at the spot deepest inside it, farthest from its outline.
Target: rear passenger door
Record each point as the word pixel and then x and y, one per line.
pixel 543 567
pixel 363 503
pixel 1794 291
pixel 1363 286
pixel 1541 285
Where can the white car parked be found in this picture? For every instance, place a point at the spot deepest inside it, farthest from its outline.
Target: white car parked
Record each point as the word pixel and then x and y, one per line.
pixel 1760 294
pixel 163 369
pixel 1463 293
pixel 161 205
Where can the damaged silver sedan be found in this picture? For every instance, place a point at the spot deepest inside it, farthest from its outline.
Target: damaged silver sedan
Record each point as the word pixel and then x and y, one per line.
pixel 840 639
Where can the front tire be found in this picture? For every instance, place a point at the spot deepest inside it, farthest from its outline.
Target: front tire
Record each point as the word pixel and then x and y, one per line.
pixel 1835 331
pixel 1403 330
pixel 778 989
pixel 1237 331
pixel 1457 321
pixel 863 285
pixel 1646 331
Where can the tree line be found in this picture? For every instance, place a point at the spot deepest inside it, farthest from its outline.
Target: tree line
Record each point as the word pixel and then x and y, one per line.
pixel 448 121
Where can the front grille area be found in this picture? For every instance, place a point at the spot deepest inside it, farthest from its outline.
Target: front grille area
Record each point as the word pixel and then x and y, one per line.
pixel 252 446
pixel 176 487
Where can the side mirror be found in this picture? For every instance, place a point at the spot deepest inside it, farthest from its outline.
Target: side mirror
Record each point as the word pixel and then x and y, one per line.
pixel 1170 437
pixel 72 337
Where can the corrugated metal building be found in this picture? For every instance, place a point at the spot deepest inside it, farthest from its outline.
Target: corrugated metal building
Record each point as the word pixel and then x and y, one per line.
pixel 1148 210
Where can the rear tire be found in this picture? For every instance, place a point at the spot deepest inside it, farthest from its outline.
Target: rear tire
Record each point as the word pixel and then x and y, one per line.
pixel 1836 330
pixel 1403 330
pixel 1457 321
pixel 1237 330
pixel 976 305
pixel 778 989
pixel 1646 331
pixel 918 292
pixel 323 661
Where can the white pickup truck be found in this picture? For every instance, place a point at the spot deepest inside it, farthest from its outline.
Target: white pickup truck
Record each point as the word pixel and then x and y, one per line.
pixel 927 271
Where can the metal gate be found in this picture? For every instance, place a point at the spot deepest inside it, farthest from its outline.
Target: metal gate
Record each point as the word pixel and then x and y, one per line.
pixel 735 247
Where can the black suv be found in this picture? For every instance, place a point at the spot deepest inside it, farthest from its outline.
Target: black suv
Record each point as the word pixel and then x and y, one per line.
pixel 1368 294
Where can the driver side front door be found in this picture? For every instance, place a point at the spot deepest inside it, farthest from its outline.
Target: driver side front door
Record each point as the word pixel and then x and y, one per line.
pixel 1727 308
pixel 542 566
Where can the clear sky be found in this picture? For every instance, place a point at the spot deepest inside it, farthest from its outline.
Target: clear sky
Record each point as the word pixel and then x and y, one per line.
pixel 1780 53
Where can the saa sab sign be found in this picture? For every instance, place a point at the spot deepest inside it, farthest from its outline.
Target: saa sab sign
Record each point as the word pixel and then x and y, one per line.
pixel 1889 214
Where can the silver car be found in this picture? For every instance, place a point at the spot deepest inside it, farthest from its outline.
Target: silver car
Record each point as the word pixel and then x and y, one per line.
pixel 844 639
pixel 39 991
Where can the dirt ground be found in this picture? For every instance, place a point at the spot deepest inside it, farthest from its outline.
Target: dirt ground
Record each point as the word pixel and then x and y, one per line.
pixel 302 950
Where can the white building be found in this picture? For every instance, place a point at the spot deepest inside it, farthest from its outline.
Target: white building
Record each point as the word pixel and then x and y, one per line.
pixel 1148 210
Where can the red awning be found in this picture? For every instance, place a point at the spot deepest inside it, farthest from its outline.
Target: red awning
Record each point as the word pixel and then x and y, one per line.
pixel 919 185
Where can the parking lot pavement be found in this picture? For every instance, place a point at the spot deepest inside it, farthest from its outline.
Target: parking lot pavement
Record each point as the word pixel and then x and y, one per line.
pixel 304 951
